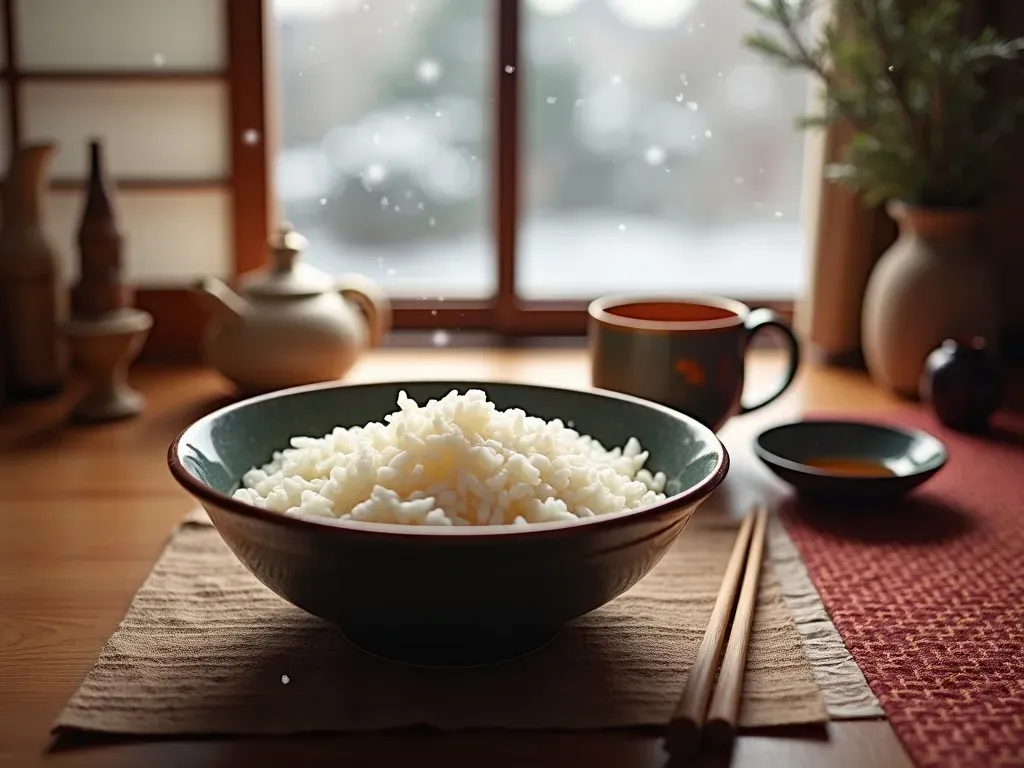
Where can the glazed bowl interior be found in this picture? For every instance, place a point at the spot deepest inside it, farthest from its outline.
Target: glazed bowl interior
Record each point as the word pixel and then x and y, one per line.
pixel 520 583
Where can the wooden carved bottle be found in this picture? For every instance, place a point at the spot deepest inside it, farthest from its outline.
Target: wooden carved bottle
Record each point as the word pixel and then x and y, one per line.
pixel 32 305
pixel 105 332
pixel 101 287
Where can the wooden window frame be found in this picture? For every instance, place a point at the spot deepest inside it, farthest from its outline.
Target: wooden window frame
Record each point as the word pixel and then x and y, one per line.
pixel 178 324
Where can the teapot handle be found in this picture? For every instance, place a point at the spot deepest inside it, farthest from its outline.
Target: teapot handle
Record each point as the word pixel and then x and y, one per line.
pixel 372 301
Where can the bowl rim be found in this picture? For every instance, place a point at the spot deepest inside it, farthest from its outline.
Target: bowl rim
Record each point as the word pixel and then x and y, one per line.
pixel 478 533
pixel 770 457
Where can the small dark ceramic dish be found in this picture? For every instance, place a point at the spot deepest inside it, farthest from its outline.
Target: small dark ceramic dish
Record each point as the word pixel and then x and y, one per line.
pixel 455 596
pixel 848 460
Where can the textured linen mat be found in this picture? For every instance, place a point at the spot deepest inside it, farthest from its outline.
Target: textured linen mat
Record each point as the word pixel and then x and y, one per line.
pixel 846 692
pixel 929 597
pixel 206 649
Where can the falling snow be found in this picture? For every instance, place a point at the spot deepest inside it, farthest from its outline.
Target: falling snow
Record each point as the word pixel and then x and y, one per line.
pixel 432 221
pixel 622 227
pixel 383 202
pixel 428 71
pixel 159 60
pixel 739 180
pixel 433 312
pixel 285 679
pixel 419 205
pixel 654 155
pixel 692 106
pixel 440 338
pixel 509 69
pixel 616 79
pixel 391 272
pixel 679 97
pixel 552 99
pixel 323 201
pixel 778 214
pixel 374 174
pixel 707 134
pixel 251 137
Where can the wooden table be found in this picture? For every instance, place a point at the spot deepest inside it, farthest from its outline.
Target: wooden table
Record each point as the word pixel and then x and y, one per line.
pixel 85 511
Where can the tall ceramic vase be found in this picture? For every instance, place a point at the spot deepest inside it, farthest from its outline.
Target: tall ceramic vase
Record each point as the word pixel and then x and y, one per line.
pixel 32 296
pixel 934 283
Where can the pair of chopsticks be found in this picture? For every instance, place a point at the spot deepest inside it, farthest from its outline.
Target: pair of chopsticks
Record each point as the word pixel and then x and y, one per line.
pixel 693 716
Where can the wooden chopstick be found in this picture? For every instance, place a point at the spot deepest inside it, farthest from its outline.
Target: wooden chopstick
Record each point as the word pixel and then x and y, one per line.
pixel 724 711
pixel 683 733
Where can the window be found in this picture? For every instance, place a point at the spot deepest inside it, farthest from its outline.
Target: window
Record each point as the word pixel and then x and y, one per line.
pixel 492 163
pixel 658 151
pixel 385 159
pixel 647 150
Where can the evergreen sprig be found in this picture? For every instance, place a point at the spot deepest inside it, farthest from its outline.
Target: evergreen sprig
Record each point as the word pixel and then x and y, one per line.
pixel 913 87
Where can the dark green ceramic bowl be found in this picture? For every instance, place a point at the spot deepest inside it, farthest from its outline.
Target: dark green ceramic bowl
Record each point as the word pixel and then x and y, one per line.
pixel 909 457
pixel 457 595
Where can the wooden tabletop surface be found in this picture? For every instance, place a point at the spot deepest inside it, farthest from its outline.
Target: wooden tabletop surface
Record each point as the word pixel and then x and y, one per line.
pixel 86 510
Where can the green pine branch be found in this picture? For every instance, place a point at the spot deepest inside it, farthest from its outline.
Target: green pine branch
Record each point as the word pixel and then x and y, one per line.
pixel 912 86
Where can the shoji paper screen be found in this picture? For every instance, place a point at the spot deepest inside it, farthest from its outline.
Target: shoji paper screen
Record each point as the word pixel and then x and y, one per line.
pixel 150 78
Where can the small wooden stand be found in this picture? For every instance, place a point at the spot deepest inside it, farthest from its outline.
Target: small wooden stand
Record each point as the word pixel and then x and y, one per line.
pixel 103 348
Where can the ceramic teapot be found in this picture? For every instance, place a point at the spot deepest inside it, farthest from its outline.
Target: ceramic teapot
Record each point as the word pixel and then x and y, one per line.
pixel 290 324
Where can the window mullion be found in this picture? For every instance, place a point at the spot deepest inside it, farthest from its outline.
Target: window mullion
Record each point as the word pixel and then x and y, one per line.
pixel 506 162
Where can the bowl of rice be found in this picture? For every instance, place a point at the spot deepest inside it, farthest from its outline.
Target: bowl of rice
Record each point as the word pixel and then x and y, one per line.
pixel 448 523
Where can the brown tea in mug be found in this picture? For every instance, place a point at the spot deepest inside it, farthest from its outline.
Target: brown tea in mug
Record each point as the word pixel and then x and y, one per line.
pixel 671 312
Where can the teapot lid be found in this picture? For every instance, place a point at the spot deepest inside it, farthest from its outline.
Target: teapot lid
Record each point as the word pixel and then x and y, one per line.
pixel 286 276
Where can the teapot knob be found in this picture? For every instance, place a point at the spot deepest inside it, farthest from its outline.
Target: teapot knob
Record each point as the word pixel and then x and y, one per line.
pixel 286 246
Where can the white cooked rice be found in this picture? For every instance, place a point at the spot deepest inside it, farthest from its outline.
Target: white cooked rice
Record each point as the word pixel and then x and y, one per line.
pixel 454 461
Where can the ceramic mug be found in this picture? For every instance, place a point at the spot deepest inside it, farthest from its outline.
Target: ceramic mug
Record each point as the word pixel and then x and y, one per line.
pixel 688 354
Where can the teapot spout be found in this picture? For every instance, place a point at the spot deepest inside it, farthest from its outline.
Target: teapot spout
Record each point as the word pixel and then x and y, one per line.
pixel 219 300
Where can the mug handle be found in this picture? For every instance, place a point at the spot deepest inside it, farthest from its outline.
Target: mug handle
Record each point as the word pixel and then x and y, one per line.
pixel 757 321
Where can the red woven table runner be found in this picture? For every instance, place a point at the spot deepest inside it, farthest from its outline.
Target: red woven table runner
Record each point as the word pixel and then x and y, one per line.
pixel 929 596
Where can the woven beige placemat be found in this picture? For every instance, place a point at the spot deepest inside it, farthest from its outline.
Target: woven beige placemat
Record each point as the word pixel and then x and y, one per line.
pixel 843 686
pixel 206 649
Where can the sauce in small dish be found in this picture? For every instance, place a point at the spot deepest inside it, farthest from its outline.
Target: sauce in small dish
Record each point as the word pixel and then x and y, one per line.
pixel 850 467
